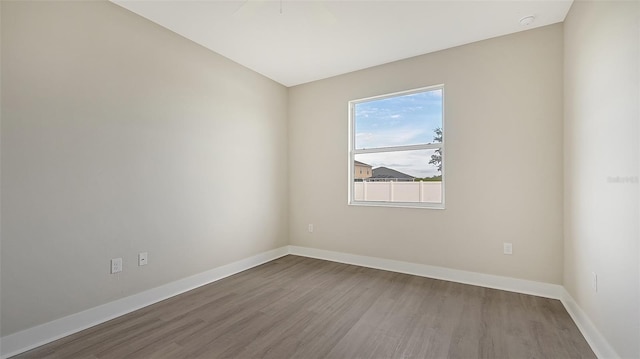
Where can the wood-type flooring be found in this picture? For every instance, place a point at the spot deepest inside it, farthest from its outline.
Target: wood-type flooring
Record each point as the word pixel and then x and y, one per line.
pixel 296 307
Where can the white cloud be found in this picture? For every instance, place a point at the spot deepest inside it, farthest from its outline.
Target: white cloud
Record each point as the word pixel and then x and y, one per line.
pixel 386 138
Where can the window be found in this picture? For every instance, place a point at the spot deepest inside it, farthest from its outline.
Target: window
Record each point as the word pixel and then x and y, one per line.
pixel 399 139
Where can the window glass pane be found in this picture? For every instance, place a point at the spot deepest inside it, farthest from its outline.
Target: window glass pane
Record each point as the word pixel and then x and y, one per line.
pixel 399 121
pixel 401 176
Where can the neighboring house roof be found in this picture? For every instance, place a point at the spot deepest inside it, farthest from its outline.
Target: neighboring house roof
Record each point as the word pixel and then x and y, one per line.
pixel 358 163
pixel 384 172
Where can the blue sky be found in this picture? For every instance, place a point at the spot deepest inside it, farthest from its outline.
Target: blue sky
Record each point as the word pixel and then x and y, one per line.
pixel 396 121
pixel 401 120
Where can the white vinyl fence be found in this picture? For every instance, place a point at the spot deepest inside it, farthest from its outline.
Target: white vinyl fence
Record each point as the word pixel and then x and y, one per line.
pixel 398 191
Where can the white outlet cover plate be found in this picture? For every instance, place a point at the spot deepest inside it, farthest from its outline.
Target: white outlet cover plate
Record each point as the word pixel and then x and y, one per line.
pixel 142 258
pixel 116 265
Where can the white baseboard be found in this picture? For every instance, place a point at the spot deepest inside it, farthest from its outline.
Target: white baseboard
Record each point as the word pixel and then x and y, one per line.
pixel 598 343
pixel 33 337
pixel 540 289
pixel 42 334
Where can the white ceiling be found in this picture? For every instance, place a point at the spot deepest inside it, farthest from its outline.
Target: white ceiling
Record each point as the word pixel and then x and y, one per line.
pixel 294 42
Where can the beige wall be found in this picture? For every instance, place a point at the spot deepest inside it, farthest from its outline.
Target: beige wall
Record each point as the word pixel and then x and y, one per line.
pixel 601 139
pixel 503 105
pixel 119 136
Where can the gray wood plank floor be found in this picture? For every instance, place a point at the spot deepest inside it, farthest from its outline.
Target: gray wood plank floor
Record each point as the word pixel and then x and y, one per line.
pixel 297 307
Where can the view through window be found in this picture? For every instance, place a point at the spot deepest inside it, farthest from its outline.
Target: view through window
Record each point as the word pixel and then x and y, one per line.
pixel 397 149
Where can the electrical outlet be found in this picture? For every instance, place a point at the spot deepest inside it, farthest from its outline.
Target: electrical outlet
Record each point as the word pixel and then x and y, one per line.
pixel 507 248
pixel 594 282
pixel 142 258
pixel 310 228
pixel 116 265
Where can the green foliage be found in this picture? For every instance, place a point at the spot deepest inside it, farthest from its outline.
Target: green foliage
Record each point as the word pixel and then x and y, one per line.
pixel 436 157
pixel 429 179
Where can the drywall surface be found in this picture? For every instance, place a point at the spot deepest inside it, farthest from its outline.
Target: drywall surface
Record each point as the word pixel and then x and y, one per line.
pixel 602 41
pixel 504 171
pixel 120 137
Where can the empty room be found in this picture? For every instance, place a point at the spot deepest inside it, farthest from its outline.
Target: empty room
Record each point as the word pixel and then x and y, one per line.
pixel 319 179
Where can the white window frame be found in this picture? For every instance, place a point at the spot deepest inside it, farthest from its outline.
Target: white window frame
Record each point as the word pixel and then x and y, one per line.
pixel 353 151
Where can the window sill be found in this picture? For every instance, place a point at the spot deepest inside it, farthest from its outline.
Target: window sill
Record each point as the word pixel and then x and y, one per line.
pixel 398 204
